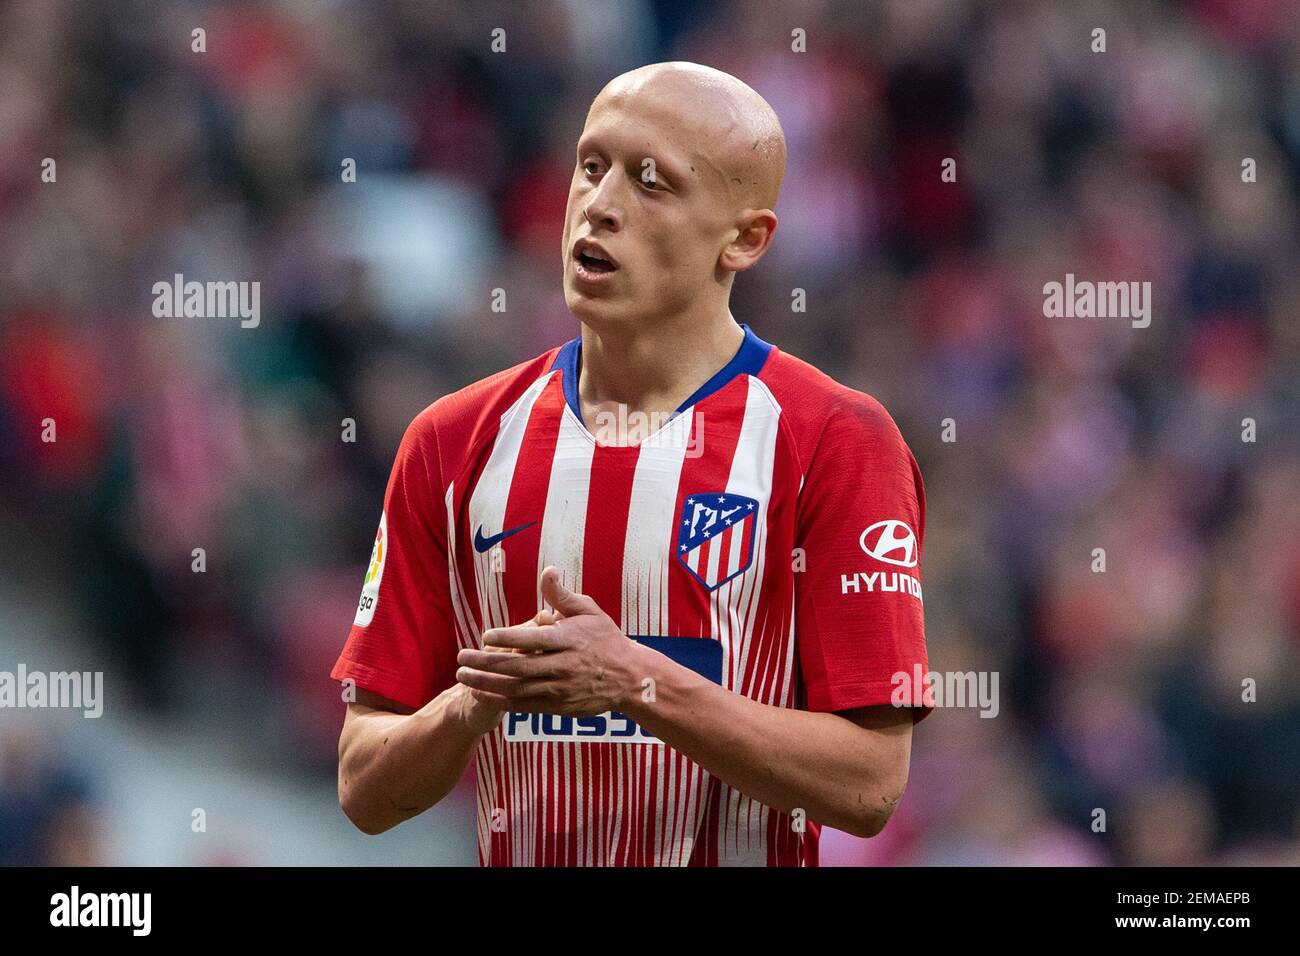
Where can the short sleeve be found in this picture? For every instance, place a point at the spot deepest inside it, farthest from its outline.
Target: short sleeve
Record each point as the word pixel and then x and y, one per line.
pixel 859 616
pixel 401 644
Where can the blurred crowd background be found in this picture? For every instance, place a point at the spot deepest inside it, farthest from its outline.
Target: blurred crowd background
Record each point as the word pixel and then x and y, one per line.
pixel 1120 690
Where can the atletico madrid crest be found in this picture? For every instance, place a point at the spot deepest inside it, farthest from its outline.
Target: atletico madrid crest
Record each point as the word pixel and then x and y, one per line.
pixel 715 538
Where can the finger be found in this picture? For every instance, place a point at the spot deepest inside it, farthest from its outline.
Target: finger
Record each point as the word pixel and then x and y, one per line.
pixel 562 598
pixel 527 637
pixel 502 684
pixel 508 662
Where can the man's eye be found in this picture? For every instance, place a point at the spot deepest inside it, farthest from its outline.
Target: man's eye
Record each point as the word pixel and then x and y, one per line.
pixel 591 167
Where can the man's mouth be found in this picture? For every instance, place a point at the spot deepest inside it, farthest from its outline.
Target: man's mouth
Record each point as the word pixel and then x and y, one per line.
pixel 592 262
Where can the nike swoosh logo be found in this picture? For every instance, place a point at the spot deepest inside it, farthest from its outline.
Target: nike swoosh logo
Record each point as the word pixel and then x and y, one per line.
pixel 481 543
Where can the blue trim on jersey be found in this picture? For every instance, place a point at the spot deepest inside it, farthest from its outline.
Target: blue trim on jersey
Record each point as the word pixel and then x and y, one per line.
pixel 748 360
pixel 567 363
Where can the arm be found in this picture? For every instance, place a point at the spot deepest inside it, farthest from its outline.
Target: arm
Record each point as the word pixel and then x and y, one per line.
pixel 847 770
pixel 407 738
pixel 395 763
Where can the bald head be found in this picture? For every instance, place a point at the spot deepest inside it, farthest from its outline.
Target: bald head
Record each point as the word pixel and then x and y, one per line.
pixel 674 190
pixel 731 135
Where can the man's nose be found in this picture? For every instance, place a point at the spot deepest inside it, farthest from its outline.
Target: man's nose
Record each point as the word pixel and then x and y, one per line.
pixel 603 207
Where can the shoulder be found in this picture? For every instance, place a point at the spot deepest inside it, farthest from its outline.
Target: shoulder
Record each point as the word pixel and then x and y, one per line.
pixel 449 427
pixel 820 410
pixel 850 451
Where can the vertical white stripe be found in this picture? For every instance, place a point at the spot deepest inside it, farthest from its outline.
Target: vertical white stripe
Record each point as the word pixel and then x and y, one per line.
pixel 733 554
pixel 785 694
pixel 715 555
pixel 614 806
pixel 651 523
pixel 693 558
pixel 468 626
pixel 564 524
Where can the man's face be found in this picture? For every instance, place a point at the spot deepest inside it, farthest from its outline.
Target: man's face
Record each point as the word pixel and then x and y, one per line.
pixel 646 193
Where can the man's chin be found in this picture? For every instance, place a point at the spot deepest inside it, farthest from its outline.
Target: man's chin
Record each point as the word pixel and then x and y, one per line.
pixel 593 309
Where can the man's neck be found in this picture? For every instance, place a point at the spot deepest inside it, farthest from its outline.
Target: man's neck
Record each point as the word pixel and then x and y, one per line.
pixel 643 375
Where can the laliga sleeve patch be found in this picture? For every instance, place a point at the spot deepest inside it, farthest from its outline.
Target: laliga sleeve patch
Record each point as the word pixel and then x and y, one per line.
pixel 374 572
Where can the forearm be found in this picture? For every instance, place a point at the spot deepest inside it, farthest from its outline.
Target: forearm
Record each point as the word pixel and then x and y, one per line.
pixel 393 767
pixel 837 773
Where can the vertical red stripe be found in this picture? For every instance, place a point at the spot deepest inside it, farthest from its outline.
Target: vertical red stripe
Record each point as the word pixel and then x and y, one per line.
pixel 608 505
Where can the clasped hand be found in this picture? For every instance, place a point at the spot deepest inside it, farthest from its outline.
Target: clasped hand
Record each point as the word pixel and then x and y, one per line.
pixel 573 661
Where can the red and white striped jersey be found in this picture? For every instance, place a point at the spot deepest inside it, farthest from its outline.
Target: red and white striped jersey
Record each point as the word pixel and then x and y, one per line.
pixel 768 536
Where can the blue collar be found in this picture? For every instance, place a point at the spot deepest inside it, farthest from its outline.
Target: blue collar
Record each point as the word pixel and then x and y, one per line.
pixel 748 360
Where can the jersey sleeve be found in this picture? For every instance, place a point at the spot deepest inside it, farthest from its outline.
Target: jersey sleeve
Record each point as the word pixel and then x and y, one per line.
pixel 402 643
pixel 859 617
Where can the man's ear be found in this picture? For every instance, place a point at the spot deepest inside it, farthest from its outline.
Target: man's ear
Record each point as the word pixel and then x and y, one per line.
pixel 754 231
